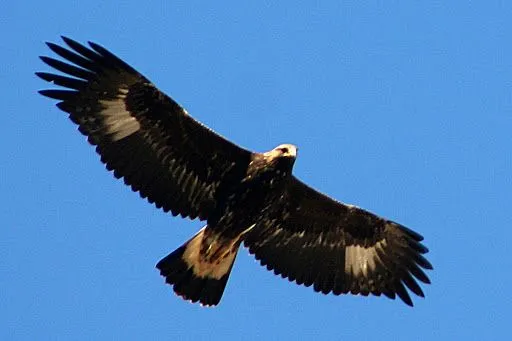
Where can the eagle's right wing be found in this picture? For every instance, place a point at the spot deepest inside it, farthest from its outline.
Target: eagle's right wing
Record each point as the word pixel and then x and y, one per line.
pixel 339 248
pixel 142 134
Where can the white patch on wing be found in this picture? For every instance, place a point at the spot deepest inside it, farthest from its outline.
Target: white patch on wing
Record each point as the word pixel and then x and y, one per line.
pixel 360 260
pixel 118 121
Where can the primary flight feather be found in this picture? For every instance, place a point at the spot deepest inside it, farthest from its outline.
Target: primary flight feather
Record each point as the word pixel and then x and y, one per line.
pixel 183 167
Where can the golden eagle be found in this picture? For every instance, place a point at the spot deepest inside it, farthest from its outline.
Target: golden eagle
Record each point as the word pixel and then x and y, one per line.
pixel 183 167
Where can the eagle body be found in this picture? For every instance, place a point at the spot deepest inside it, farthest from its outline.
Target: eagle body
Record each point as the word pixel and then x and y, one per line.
pixel 262 186
pixel 206 260
pixel 182 167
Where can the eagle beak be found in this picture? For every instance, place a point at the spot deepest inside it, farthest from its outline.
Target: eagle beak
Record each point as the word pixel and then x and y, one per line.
pixel 290 152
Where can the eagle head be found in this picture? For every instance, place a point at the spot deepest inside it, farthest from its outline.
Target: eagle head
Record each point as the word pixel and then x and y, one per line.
pixel 281 157
pixel 283 151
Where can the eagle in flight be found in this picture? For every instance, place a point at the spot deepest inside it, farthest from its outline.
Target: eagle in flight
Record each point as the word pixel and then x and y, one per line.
pixel 184 168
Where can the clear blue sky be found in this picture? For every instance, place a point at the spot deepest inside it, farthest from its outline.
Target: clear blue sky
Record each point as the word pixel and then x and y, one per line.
pixel 403 108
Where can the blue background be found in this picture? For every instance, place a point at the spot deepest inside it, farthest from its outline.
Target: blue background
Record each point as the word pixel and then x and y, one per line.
pixel 402 107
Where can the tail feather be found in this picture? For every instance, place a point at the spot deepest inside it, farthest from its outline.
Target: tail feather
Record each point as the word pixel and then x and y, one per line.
pixel 194 278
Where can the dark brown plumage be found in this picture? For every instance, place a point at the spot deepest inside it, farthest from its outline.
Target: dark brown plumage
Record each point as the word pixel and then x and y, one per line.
pixel 181 166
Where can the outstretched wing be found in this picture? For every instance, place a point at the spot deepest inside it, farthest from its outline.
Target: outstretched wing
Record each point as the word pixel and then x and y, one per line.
pixel 141 134
pixel 315 240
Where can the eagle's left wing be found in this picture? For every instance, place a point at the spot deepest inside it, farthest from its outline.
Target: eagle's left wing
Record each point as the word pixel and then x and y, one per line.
pixel 339 248
pixel 141 134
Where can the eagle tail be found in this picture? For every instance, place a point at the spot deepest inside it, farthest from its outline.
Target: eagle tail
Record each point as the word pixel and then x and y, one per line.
pixel 196 277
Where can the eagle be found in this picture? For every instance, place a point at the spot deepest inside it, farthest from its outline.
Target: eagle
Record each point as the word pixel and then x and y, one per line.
pixel 181 166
